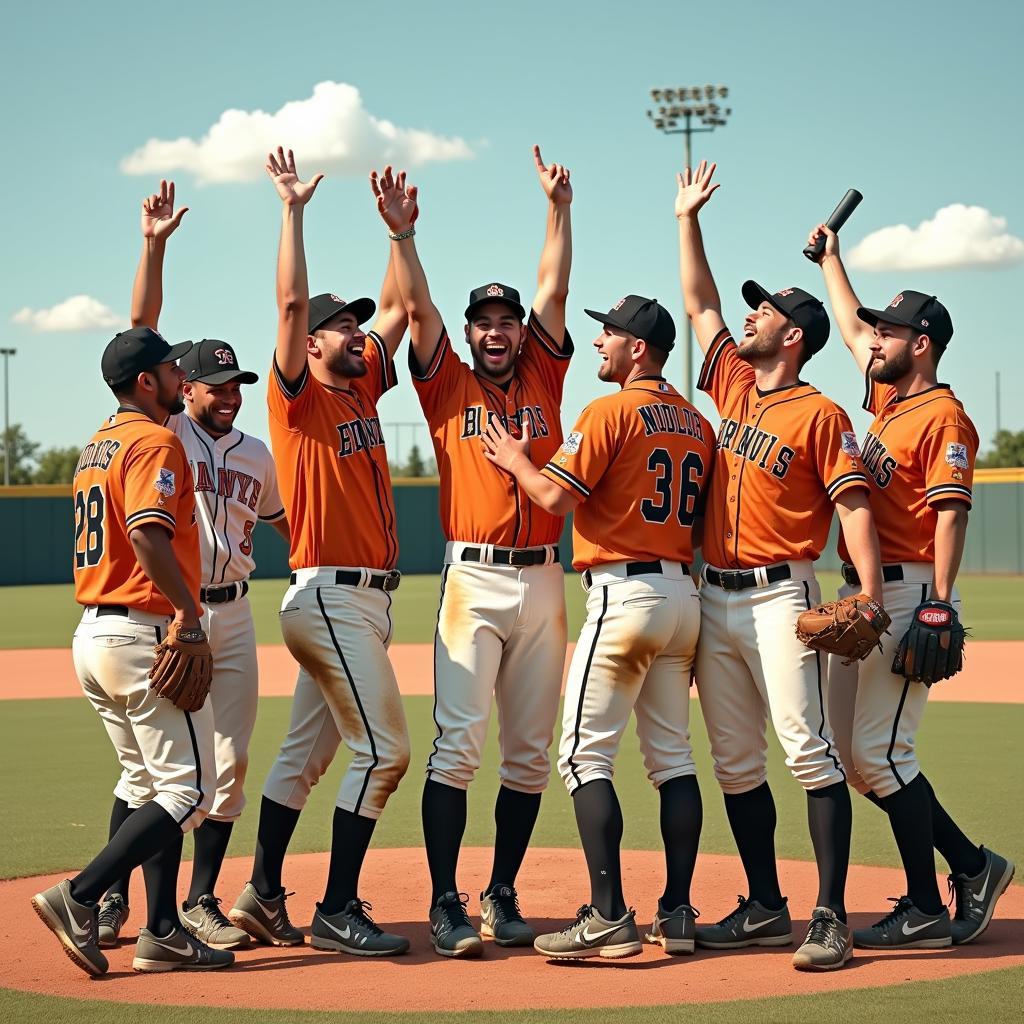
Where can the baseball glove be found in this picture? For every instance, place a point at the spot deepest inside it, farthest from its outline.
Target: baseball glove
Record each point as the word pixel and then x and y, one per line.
pixel 183 668
pixel 850 627
pixel 933 647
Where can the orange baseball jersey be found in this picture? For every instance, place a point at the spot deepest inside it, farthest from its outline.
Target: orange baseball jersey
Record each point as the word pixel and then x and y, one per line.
pixel 640 461
pixel 783 458
pixel 133 472
pixel 919 450
pixel 332 467
pixel 491 507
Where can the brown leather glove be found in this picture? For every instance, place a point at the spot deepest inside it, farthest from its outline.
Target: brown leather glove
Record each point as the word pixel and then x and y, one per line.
pixel 851 627
pixel 182 668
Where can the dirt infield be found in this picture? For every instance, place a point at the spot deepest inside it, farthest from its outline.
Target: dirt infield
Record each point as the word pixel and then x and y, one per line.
pixel 553 882
pixel 49 673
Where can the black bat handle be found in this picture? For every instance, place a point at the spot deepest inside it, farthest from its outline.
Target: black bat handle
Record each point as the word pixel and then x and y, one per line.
pixel 839 216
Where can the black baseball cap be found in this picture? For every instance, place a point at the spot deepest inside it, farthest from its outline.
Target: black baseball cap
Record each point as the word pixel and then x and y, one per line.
pixel 135 351
pixel 323 307
pixel 920 312
pixel 643 318
pixel 495 293
pixel 214 362
pixel 801 307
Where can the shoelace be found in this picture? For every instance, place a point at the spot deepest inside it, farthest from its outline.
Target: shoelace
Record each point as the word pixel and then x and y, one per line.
pixel 732 918
pixel 455 911
pixel 359 909
pixel 822 931
pixel 507 907
pixel 285 920
pixel 211 905
pixel 901 909
pixel 958 892
pixel 110 912
pixel 583 914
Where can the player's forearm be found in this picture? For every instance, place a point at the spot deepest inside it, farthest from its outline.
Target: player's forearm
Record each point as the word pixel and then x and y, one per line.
pixel 858 528
pixel 844 302
pixel 292 281
pixel 556 256
pixel 392 318
pixel 282 527
pixel 152 546
pixel 540 490
pixel 147 289
pixel 700 293
pixel 950 536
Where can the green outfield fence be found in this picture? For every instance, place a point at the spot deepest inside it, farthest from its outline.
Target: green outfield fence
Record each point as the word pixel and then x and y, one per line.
pixel 37 526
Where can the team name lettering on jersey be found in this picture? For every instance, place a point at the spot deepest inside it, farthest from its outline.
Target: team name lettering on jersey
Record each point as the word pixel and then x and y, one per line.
pixel 97 455
pixel 231 483
pixel 756 446
pixel 670 419
pixel 358 435
pixel 877 461
pixel 530 415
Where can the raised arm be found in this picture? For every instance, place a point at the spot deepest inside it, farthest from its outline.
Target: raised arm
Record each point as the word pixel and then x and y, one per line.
pixel 159 222
pixel 857 335
pixel 398 207
pixel 392 318
pixel 292 284
pixel 556 256
pixel 700 295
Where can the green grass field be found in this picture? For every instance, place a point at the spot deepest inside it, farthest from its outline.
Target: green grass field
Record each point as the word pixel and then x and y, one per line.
pixel 46 616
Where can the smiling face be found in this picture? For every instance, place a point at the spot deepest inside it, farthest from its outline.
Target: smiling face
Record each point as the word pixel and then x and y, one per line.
pixel 615 348
pixel 893 352
pixel 339 343
pixel 214 406
pixel 764 330
pixel 495 335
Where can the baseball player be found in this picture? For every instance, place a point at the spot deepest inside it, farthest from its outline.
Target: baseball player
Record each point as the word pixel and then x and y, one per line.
pixel 326 378
pixel 236 487
pixel 501 624
pixel 919 454
pixel 786 457
pixel 137 576
pixel 633 471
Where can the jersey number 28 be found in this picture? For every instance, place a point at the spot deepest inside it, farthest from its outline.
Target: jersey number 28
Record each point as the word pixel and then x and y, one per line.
pixel 89 509
pixel 691 472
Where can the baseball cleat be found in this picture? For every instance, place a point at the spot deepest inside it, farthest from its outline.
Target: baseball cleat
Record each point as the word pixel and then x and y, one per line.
pixel 266 920
pixel 750 924
pixel 206 921
pixel 179 951
pixel 112 916
pixel 674 930
pixel 354 931
pixel 829 943
pixel 905 927
pixel 500 917
pixel 976 897
pixel 450 930
pixel 591 935
pixel 75 925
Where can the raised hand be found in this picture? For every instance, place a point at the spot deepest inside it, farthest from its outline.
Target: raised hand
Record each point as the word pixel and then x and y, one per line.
pixel 396 201
pixel 281 169
pixel 695 189
pixel 554 179
pixel 831 241
pixel 158 217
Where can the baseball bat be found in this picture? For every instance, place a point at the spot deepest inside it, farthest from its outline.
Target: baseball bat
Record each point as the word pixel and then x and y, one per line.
pixel 839 216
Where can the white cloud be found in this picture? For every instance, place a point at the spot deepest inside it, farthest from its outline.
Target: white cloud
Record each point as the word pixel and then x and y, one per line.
pixel 331 131
pixel 79 313
pixel 957 236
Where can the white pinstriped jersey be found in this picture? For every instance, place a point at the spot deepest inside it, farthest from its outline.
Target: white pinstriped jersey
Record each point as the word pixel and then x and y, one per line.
pixel 236 486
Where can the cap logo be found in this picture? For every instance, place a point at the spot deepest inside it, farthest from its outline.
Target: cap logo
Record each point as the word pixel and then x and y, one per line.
pixel 335 298
pixel 619 304
pixel 224 357
pixel 895 302
pixel 785 292
pixel 924 323
pixel 495 292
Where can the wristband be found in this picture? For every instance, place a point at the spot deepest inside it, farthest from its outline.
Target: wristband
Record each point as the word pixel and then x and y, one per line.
pixel 397 236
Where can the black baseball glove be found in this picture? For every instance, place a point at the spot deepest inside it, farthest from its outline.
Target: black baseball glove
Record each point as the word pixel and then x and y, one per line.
pixel 933 647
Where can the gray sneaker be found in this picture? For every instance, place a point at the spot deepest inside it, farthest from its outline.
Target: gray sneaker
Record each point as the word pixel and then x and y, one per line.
pixel 450 930
pixel 674 930
pixel 179 951
pixel 266 920
pixel 750 924
pixel 112 916
pixel 829 943
pixel 354 931
pixel 75 925
pixel 976 897
pixel 206 921
pixel 905 927
pixel 501 918
pixel 591 935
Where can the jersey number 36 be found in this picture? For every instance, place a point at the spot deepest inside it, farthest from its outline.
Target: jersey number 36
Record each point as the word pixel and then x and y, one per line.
pixel 691 473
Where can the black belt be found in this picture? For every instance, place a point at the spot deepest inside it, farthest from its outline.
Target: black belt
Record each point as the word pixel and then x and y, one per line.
pixel 517 557
pixel 636 569
pixel 112 609
pixel 379 581
pixel 890 574
pixel 220 595
pixel 744 579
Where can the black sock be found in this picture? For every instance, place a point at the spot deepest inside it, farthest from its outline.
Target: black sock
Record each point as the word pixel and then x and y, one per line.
pixel 161 875
pixel 146 831
pixel 211 845
pixel 962 856
pixel 277 823
pixel 599 820
pixel 830 819
pixel 444 823
pixel 752 820
pixel 515 814
pixel 910 815
pixel 119 814
pixel 682 815
pixel 350 839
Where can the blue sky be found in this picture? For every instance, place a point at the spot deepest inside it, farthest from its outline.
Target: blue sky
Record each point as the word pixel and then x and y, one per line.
pixel 918 111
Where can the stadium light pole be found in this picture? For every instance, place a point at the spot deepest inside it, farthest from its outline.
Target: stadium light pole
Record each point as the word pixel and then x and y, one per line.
pixel 5 352
pixel 686 111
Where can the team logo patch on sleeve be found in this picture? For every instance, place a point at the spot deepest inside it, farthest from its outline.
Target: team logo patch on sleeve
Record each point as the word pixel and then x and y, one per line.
pixel 571 445
pixel 164 482
pixel 848 440
pixel 956 455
